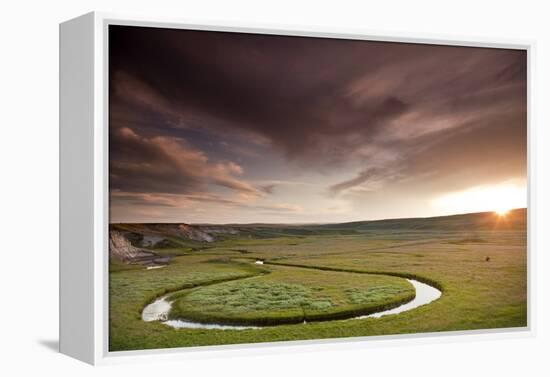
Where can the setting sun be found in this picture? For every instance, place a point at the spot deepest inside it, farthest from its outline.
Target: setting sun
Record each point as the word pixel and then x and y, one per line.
pixel 502 212
pixel 499 199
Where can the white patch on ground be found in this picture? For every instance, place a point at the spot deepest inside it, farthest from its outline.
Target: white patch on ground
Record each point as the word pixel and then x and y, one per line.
pixel 259 262
pixel 154 267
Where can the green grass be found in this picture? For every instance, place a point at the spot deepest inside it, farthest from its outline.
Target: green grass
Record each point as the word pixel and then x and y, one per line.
pixel 290 295
pixel 325 275
pixel 131 289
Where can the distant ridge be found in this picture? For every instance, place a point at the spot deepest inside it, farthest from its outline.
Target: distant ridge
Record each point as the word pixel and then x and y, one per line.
pixel 514 219
pixel 168 235
pixel 516 214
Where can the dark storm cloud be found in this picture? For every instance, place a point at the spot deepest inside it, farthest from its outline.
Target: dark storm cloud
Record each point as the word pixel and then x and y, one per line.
pixel 307 96
pixel 388 113
pixel 290 90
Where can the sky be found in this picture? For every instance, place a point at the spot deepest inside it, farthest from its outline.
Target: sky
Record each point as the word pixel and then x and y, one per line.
pixel 212 127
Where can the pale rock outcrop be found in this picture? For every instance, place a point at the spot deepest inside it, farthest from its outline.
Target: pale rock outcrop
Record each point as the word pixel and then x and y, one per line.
pixel 121 249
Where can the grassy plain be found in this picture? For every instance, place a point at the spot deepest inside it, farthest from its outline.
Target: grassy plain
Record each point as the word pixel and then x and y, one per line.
pixel 222 283
pixel 290 295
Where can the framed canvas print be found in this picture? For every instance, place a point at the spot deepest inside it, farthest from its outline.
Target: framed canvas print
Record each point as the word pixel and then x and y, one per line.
pixel 224 187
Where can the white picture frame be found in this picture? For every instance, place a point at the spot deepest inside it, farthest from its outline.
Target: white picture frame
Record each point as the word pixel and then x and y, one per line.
pixel 84 191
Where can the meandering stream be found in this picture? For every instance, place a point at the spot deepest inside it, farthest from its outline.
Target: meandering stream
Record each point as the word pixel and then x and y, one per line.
pixel 158 310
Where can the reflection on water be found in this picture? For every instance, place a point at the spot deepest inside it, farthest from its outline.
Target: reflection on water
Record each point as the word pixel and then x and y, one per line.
pixel 179 324
pixel 424 295
pixel 157 310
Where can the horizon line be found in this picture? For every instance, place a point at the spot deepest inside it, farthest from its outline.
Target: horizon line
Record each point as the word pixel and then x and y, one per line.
pixel 320 223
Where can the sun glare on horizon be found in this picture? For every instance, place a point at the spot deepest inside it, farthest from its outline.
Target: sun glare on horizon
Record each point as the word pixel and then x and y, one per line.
pixel 499 199
pixel 502 211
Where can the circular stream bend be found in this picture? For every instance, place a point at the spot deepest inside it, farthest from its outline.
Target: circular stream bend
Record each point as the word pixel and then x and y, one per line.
pixel 159 309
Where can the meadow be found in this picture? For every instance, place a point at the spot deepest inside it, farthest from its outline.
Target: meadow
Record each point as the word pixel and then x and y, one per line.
pixel 323 275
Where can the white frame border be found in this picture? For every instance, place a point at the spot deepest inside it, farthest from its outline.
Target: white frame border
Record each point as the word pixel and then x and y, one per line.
pixel 101 204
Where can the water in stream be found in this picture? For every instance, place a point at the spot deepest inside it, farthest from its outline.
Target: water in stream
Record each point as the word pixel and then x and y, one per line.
pixel 158 310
